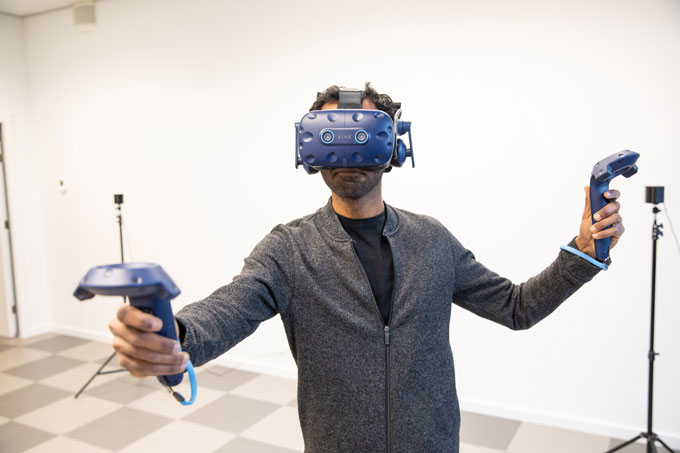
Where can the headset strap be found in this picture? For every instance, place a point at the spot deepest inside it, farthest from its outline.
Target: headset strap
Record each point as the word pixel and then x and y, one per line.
pixel 350 98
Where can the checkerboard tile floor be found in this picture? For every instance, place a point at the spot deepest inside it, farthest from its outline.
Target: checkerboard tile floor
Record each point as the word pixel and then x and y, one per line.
pixel 236 411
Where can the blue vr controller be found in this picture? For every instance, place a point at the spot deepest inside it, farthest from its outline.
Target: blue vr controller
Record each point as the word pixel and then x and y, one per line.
pixel 149 289
pixel 604 171
pixel 351 138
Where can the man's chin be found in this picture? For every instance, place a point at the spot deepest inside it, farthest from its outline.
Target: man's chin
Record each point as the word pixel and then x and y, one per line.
pixel 352 183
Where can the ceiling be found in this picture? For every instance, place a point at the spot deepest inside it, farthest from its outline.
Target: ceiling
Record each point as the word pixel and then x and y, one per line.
pixel 25 8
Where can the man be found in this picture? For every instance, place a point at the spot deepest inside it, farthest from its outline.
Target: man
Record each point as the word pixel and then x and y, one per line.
pixel 364 291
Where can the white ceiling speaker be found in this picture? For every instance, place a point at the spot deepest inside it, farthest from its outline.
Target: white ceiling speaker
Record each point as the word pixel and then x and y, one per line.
pixel 84 18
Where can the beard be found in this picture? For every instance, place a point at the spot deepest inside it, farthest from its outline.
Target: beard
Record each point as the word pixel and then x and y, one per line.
pixel 352 183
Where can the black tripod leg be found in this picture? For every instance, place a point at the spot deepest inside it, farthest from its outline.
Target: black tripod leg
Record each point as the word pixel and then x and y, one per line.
pixel 664 445
pixel 625 444
pixel 95 374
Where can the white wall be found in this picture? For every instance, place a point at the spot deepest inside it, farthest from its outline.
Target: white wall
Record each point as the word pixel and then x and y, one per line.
pixel 25 179
pixel 188 108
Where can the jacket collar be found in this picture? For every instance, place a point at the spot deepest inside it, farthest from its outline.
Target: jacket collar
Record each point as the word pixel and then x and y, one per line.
pixel 330 224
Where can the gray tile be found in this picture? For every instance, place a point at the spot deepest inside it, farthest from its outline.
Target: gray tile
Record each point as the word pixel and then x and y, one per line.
pixel 232 413
pixel 222 378
pixel 92 351
pixel 487 431
pixel 125 389
pixel 535 438
pixel 632 448
pixel 119 429
pixel 44 368
pixel 58 343
pixel 27 399
pixel 15 437
pixel 242 445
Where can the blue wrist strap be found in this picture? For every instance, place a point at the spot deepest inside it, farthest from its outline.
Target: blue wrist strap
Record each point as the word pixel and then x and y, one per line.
pixel 590 259
pixel 192 382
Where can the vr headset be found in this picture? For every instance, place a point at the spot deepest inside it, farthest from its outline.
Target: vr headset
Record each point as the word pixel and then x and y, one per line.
pixel 350 137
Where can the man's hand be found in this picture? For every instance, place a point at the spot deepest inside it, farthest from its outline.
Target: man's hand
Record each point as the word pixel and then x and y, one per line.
pixel 609 215
pixel 141 351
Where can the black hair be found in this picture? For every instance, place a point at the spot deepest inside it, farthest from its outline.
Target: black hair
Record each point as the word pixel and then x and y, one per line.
pixel 382 101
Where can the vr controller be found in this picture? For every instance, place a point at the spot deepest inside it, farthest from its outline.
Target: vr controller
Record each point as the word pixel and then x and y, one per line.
pixel 604 171
pixel 149 289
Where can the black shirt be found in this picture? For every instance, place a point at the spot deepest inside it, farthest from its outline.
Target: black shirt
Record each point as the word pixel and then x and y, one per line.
pixel 375 256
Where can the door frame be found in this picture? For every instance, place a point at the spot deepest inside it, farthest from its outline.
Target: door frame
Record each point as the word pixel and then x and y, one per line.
pixel 11 310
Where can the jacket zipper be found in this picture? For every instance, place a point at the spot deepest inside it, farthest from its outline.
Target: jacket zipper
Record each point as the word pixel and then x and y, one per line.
pixel 388 411
pixel 386 330
pixel 388 333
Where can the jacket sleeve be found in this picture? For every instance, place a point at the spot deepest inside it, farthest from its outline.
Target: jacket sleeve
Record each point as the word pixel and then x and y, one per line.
pixel 263 288
pixel 496 298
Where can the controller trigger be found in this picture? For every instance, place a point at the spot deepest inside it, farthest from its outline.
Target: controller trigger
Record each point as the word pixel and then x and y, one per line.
pixel 631 171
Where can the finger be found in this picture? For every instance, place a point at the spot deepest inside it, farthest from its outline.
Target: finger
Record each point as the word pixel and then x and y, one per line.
pixel 586 208
pixel 140 368
pixel 601 225
pixel 140 339
pixel 612 194
pixel 610 208
pixel 123 347
pixel 615 231
pixel 138 319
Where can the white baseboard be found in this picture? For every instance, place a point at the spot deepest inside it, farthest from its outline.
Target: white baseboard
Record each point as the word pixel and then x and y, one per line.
pixel 272 364
pixel 34 332
pixel 82 333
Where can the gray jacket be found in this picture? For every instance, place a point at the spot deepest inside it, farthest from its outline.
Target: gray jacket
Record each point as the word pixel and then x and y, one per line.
pixel 364 386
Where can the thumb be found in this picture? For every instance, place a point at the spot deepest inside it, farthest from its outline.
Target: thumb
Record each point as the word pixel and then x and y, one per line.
pixel 586 208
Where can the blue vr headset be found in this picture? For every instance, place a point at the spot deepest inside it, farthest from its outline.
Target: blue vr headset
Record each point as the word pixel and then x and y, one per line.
pixel 350 137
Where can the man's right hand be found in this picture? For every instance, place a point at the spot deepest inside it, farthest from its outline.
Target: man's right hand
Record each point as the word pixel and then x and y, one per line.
pixel 140 350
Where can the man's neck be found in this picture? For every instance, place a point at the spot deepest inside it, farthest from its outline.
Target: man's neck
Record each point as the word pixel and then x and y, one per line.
pixel 370 205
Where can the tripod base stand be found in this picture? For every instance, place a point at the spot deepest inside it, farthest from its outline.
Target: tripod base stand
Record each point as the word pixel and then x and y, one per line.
pixel 652 438
pixel 99 373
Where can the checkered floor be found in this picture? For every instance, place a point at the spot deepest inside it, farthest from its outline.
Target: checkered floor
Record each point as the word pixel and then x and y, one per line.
pixel 236 411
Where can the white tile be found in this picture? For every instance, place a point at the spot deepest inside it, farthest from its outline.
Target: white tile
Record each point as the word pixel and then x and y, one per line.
pixel 467 448
pixel 163 403
pixel 9 383
pixel 64 444
pixel 280 428
pixel 72 380
pixel 68 414
pixel 181 437
pixel 271 389
pixel 19 356
pixel 531 438
pixel 90 352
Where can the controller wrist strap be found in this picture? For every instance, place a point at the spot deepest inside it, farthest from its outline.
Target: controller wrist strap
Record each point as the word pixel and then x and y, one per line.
pixel 590 259
pixel 192 382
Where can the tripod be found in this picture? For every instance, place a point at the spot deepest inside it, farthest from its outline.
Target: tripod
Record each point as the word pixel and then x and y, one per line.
pixel 118 200
pixel 651 437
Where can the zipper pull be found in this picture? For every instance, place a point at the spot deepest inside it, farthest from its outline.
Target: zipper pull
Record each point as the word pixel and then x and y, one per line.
pixel 387 335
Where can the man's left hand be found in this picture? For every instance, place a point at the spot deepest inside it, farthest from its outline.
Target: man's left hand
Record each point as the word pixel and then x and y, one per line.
pixel 609 215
